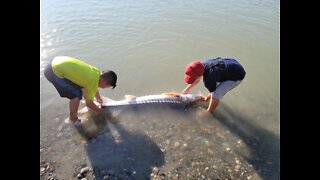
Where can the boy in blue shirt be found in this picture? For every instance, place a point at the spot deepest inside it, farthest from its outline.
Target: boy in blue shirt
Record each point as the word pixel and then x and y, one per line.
pixel 220 75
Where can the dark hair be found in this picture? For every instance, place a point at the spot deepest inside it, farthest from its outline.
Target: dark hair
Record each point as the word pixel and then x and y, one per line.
pixel 110 77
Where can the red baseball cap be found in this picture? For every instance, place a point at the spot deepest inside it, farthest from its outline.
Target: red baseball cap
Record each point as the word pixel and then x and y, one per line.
pixel 193 71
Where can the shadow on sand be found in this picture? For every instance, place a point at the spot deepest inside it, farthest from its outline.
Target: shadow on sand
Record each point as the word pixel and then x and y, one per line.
pixel 264 146
pixel 119 154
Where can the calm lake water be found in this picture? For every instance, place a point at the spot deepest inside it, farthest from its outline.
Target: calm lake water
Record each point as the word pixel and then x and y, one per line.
pixel 148 44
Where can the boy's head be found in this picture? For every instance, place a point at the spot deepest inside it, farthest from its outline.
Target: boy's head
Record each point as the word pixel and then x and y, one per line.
pixel 107 79
pixel 193 71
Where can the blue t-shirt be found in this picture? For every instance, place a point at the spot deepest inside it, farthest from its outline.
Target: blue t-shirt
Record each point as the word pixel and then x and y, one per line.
pixel 226 70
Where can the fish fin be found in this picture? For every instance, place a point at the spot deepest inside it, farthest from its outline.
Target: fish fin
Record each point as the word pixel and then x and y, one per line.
pixel 129 97
pixel 171 94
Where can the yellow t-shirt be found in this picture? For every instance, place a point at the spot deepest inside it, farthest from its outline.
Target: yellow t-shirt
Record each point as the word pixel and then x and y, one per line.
pixel 78 72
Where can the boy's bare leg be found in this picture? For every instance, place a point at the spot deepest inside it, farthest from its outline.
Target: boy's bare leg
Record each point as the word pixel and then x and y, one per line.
pixel 213 104
pixel 73 107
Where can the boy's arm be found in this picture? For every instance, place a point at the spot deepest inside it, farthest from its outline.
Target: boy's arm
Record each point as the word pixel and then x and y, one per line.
pixel 188 88
pixel 98 98
pixel 92 105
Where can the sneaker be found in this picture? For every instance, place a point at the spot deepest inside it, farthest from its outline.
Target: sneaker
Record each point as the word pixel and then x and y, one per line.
pixel 67 121
pixel 77 122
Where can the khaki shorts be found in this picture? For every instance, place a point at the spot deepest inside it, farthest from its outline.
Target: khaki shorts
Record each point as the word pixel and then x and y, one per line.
pixel 224 87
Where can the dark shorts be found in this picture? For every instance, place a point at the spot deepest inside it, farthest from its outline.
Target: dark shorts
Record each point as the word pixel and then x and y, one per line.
pixel 65 87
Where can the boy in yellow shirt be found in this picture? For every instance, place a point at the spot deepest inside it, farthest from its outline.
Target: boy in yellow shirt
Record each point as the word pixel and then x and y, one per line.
pixel 75 79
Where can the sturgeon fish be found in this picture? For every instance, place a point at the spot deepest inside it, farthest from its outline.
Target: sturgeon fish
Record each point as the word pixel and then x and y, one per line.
pixel 169 98
pixel 90 128
pixel 164 98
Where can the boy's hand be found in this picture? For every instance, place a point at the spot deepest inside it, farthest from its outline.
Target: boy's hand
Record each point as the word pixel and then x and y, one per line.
pixel 208 97
pixel 185 92
pixel 203 98
pixel 99 100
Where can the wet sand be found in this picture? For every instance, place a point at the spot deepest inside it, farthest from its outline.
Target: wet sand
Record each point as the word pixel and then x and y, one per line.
pixel 161 142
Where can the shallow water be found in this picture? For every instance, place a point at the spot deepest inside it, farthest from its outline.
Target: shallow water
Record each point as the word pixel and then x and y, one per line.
pixel 148 44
